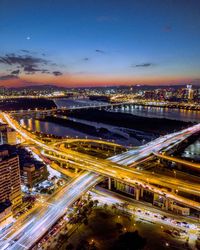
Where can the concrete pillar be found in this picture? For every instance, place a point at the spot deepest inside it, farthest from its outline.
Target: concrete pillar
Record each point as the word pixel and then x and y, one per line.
pixel 141 192
pixel 137 194
pixel 109 183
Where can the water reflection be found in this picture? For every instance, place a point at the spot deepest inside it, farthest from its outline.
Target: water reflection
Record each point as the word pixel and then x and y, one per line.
pixel 49 128
pixel 158 112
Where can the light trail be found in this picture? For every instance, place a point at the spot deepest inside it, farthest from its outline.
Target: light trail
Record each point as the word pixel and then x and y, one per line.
pixel 46 217
pixel 49 215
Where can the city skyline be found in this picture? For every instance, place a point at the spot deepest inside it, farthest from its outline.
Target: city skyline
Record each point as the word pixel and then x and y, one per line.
pixel 99 43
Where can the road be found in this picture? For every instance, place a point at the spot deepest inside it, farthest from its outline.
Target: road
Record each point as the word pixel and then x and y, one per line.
pixel 115 170
pixel 37 225
pixel 28 230
pixel 136 178
pixel 159 144
pixel 189 164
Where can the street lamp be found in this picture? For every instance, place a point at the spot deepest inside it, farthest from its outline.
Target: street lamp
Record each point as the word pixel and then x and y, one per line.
pixel 174 173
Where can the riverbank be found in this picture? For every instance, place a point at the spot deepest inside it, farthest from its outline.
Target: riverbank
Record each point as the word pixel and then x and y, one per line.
pixel 157 126
pixel 83 128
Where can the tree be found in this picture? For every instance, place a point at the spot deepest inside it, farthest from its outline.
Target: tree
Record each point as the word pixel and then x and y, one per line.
pixel 96 203
pixel 91 204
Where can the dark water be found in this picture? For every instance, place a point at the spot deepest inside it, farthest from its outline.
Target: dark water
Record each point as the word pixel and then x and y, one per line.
pixel 50 128
pixel 59 130
pixel 155 112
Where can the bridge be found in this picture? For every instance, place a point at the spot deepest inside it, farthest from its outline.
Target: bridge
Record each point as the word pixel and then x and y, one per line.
pixel 122 105
pixel 75 107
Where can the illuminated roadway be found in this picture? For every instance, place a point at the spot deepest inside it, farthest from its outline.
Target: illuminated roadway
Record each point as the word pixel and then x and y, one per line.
pixel 30 229
pixel 134 177
pixel 124 174
pixel 90 141
pixel 178 160
pixel 167 141
pixel 35 228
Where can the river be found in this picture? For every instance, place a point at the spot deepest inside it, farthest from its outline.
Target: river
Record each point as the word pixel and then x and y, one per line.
pixel 139 110
pixel 59 130
pixel 157 112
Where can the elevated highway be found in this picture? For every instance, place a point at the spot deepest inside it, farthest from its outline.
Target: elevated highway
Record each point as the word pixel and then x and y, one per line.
pixel 87 141
pixel 32 229
pixel 133 177
pixel 115 170
pixel 183 162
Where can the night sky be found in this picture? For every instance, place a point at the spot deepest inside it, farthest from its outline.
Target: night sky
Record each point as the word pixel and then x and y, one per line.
pixel 99 42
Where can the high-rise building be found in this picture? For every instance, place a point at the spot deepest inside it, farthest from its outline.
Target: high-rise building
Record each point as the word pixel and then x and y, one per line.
pixel 7 135
pixel 190 92
pixel 10 185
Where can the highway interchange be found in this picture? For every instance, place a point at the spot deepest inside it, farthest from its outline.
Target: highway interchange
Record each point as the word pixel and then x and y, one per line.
pixel 31 229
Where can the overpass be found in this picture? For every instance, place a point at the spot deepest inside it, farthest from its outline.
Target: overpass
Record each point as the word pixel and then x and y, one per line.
pixel 183 162
pixel 140 180
pixel 87 141
pixel 33 229
pixel 115 170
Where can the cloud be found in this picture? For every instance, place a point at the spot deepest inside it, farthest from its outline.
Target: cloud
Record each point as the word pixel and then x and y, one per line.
pixel 30 64
pixel 86 59
pixel 15 72
pixel 30 69
pixel 23 61
pixel 143 65
pixel 8 77
pixel 100 51
pixel 57 73
pixel 25 51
